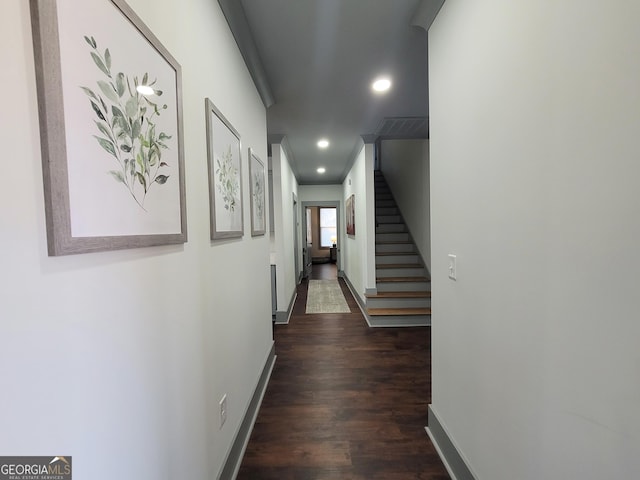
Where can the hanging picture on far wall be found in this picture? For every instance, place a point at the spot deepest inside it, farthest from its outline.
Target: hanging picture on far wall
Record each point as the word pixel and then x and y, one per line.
pixel 225 175
pixel 351 215
pixel 258 197
pixel 110 107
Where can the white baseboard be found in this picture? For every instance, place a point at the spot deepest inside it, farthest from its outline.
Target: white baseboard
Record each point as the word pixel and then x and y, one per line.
pixel 453 460
pixel 233 461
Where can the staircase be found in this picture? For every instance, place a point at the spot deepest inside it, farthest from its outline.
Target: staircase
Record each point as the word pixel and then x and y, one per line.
pixel 403 287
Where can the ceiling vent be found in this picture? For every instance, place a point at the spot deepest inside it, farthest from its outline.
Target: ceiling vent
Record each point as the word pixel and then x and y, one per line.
pixel 403 127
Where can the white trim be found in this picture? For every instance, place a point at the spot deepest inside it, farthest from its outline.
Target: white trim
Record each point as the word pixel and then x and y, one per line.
pixel 243 433
pixel 451 456
pixel 280 314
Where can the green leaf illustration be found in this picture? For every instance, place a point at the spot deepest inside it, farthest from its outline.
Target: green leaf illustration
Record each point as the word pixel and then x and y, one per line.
pixel 104 106
pixel 106 144
pixel 108 90
pixel 142 180
pixel 99 63
pixel 117 175
pixel 131 108
pixel 96 109
pixel 107 59
pixel 117 112
pixel 128 132
pixel 135 129
pixel 120 86
pixel 89 92
pixel 91 41
pixel 105 130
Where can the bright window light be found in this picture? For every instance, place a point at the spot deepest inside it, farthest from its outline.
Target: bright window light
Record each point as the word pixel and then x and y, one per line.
pixel 328 227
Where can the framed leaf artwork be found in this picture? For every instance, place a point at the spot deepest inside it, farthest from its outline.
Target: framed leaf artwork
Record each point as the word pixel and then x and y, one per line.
pixel 258 196
pixel 110 104
pixel 225 175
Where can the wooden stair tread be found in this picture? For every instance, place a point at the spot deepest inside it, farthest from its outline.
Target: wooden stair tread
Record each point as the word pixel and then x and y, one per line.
pixel 399 265
pixel 390 254
pixel 398 311
pixel 401 279
pixel 396 242
pixel 425 294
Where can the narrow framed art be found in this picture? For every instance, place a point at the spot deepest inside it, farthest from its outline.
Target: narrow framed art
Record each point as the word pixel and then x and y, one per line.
pixel 350 208
pixel 225 175
pixel 110 105
pixel 258 195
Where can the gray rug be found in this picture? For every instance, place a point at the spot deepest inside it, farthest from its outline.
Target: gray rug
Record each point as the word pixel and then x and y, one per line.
pixel 325 296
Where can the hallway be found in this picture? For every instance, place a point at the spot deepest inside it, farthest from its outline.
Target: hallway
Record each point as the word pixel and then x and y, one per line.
pixel 345 401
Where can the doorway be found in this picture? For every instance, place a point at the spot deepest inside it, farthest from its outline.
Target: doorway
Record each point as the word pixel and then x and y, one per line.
pixel 322 239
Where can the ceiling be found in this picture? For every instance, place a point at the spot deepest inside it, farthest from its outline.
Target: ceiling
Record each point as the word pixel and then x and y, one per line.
pixel 313 62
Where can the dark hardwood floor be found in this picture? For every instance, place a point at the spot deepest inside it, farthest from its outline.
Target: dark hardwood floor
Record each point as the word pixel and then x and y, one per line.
pixel 345 401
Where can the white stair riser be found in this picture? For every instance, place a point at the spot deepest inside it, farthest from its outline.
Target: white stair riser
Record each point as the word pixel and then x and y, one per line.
pixel 391 228
pixel 383 196
pixel 398 303
pixel 400 321
pixel 388 219
pixel 394 247
pixel 400 272
pixel 392 237
pixel 387 211
pixel 390 259
pixel 403 286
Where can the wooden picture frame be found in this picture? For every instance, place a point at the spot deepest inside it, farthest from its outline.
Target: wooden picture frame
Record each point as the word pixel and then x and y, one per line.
pixel 112 151
pixel 257 185
pixel 224 159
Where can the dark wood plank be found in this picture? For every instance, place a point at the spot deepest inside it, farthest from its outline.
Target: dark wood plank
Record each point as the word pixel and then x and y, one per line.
pixel 345 402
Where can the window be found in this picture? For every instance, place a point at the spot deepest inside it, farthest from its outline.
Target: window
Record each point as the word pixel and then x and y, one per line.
pixel 328 224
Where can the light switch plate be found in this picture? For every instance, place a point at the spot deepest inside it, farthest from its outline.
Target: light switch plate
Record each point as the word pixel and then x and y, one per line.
pixel 452 267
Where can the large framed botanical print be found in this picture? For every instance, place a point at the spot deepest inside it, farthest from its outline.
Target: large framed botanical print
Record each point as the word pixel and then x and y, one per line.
pixel 110 104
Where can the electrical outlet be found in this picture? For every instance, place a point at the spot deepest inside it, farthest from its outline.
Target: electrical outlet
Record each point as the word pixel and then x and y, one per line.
pixel 223 410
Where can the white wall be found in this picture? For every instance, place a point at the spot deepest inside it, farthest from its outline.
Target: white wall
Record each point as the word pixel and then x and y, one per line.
pixel 124 355
pixel 535 115
pixel 285 186
pixel 320 193
pixel 405 165
pixel 358 251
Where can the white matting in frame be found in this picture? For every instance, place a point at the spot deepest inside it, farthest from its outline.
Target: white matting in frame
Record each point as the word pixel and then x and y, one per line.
pixel 224 157
pixel 110 106
pixel 258 195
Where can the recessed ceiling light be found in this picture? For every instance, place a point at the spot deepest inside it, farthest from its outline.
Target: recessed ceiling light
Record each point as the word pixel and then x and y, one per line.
pixel 381 85
pixel 321 170
pixel 323 143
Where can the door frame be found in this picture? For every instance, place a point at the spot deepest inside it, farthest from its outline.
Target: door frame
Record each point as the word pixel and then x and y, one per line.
pixel 330 204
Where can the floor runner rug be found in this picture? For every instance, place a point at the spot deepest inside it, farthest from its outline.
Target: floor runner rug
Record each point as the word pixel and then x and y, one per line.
pixel 325 296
